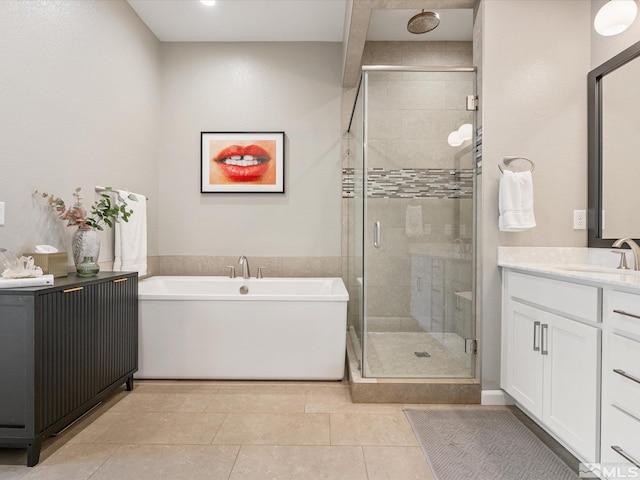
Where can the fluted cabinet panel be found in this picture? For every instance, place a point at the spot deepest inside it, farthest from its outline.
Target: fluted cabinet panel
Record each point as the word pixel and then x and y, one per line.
pixel 63 349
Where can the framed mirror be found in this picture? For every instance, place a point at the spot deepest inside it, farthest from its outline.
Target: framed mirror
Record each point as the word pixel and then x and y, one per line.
pixel 614 149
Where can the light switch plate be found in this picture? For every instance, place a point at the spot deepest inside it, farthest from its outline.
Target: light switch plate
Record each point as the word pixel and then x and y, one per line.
pixel 1 213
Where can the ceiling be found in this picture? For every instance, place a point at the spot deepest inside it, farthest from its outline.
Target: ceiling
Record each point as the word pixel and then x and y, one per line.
pixel 285 21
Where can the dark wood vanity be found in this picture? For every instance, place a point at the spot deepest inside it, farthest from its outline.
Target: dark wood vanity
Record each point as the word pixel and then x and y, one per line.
pixel 63 349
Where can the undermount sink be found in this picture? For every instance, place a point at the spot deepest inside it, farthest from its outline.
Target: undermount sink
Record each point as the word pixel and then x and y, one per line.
pixel 598 269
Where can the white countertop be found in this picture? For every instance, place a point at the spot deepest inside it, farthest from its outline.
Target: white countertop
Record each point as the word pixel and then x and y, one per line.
pixel 583 265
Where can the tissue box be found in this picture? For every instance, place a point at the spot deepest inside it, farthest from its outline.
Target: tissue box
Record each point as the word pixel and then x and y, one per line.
pixel 51 263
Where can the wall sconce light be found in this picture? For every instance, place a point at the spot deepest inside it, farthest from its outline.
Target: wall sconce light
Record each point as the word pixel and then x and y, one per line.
pixel 458 137
pixel 615 17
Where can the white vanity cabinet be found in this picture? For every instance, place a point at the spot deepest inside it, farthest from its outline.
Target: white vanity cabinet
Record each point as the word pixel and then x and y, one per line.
pixel 620 446
pixel 551 356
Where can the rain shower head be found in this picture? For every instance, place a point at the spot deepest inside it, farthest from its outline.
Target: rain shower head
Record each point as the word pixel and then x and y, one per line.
pixel 423 22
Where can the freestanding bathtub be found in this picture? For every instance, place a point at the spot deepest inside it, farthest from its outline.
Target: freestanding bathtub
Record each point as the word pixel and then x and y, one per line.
pixel 204 328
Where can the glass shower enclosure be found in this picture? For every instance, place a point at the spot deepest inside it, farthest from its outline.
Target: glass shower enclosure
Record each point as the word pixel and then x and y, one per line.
pixel 411 223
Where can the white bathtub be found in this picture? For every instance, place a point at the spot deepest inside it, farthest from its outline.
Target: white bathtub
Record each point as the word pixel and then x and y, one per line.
pixel 204 328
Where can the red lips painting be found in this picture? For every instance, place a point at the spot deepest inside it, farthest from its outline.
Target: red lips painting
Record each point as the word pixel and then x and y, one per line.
pixel 242 162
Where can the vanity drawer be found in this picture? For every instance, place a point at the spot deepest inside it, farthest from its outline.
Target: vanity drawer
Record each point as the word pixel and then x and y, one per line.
pixel 617 302
pixel 622 431
pixel 565 297
pixel 623 374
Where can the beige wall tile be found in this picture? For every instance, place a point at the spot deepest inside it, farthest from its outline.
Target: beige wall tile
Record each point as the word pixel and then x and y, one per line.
pixel 273 266
pixel 311 266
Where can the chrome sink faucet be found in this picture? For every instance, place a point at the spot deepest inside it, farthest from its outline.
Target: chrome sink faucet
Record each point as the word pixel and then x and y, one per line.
pixel 635 250
pixel 245 266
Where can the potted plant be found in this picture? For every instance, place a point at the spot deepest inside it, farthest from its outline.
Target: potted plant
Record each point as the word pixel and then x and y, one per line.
pixel 85 244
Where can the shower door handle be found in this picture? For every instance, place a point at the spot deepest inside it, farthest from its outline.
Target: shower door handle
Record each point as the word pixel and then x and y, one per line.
pixel 376 235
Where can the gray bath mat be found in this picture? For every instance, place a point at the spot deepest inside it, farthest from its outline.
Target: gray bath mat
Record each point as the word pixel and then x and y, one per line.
pixel 480 443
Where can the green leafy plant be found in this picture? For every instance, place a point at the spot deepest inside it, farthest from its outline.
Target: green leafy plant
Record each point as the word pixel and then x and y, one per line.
pixel 103 211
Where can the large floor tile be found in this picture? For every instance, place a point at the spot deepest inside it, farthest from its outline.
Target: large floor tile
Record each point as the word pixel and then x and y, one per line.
pixel 247 387
pixel 12 472
pixel 256 402
pixel 175 387
pixel 339 401
pixel 274 429
pixel 163 402
pixel 169 462
pixel 299 463
pixel 391 429
pixel 396 463
pixel 152 428
pixel 98 426
pixel 71 462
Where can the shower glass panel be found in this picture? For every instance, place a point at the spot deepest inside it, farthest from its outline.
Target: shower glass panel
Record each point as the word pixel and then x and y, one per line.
pixel 412 227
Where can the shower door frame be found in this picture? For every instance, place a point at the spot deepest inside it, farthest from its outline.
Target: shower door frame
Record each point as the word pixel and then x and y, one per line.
pixel 363 87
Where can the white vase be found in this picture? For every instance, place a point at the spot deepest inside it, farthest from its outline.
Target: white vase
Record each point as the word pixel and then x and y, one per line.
pixel 85 243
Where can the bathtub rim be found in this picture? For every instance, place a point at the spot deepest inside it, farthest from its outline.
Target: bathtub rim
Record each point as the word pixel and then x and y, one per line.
pixel 339 290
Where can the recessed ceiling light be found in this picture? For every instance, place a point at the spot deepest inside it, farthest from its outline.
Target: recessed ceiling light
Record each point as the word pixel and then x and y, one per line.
pixel 615 17
pixel 208 3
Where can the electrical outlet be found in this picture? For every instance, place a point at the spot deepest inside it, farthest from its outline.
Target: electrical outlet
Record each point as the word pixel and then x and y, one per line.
pixel 579 219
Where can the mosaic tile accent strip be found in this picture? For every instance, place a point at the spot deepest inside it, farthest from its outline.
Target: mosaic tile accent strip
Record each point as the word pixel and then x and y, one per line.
pixel 411 183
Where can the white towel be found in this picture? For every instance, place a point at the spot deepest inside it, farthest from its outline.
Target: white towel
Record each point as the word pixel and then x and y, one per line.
pixel 515 201
pixel 413 220
pixel 130 245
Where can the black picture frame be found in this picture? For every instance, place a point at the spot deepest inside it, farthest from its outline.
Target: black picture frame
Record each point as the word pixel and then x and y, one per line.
pixel 242 162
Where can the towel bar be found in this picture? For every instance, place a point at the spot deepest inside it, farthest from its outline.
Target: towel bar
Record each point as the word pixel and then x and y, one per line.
pixel 509 159
pixel 110 190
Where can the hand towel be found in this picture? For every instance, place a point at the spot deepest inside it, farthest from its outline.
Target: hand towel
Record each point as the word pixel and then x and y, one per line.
pixel 413 220
pixel 130 245
pixel 515 201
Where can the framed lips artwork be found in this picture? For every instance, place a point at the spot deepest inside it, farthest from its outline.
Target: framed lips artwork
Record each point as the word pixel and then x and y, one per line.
pixel 242 162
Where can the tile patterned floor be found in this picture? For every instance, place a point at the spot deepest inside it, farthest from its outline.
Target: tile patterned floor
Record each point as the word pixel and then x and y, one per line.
pixel 230 431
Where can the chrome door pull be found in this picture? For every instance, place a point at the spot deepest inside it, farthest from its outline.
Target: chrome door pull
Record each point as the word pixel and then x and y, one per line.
pixel 536 344
pixel 626 375
pixel 622 312
pixel 625 455
pixel 544 338
pixel 376 235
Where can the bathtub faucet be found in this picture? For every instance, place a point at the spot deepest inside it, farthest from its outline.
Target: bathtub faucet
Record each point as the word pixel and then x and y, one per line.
pixel 245 266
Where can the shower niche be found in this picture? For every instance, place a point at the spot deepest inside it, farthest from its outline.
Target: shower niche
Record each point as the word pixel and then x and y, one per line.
pixel 411 223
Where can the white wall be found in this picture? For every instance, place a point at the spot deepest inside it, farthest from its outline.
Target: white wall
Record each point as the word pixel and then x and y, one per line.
pixel 534 88
pixel 79 98
pixel 290 87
